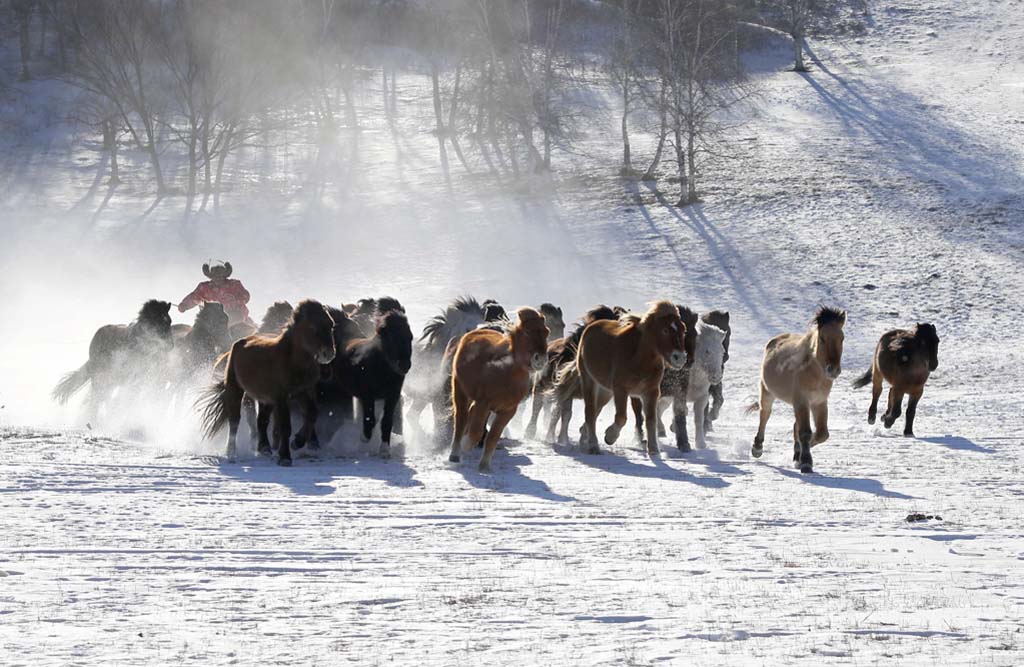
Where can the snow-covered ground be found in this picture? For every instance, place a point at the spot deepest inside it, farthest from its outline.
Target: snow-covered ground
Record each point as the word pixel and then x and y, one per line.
pixel 889 180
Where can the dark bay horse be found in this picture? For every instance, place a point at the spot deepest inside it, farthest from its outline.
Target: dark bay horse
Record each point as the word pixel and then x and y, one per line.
pixel 374 368
pixel 197 347
pixel 121 354
pixel 800 369
pixel 903 358
pixel 272 370
pixel 491 373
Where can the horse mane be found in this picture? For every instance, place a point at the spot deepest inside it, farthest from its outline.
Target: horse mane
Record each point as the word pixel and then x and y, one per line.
pixel 386 304
pixel 153 311
pixel 461 315
pixel 827 315
pixel 710 329
pixel 277 315
pixel 926 333
pixel 391 318
pixel 657 311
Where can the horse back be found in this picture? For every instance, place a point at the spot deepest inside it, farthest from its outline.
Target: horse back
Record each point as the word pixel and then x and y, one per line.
pixel 108 340
pixel 608 354
pixel 788 370
pixel 901 361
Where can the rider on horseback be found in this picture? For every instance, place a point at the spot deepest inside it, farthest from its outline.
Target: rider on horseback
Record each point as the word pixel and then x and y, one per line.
pixel 221 288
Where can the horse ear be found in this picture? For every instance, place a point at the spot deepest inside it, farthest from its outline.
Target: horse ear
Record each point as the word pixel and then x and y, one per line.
pixel 560 311
pixel 227 267
pixel 206 270
pixel 166 305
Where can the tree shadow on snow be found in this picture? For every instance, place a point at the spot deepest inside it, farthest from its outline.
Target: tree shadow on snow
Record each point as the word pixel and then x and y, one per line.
pixel 862 484
pixel 656 469
pixel 506 476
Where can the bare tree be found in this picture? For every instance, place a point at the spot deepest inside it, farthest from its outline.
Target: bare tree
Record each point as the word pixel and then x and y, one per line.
pixel 798 18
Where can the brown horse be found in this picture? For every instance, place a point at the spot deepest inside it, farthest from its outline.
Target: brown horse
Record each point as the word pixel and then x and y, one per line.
pixel 617 360
pixel 272 370
pixel 904 359
pixel 119 354
pixel 491 373
pixel 800 370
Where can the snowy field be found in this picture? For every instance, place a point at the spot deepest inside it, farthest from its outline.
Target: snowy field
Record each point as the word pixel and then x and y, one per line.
pixel 888 181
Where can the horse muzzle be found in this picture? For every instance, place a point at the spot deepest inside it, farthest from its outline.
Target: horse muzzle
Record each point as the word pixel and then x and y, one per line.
pixel 677 360
pixel 538 362
pixel 833 371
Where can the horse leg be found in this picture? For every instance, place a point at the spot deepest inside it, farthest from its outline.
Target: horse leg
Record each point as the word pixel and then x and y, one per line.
pixel 651 418
pixel 820 413
pixel 662 406
pixel 915 396
pixel 561 413
pixel 802 450
pixel 501 419
pixel 765 403
pixel 535 414
pixel 638 418
pixel 876 391
pixel 283 431
pixel 369 417
pixel 392 408
pixel 476 425
pixel 611 434
pixel 679 423
pixel 306 435
pixel 895 407
pixel 594 399
pixel 249 409
pixel 717 399
pixel 262 423
pixel 397 420
pixel 460 410
pixel 700 420
pixel 232 398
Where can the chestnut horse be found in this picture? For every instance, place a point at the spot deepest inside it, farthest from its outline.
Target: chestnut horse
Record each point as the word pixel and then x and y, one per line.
pixel 491 373
pixel 800 370
pixel 904 359
pixel 617 360
pixel 272 370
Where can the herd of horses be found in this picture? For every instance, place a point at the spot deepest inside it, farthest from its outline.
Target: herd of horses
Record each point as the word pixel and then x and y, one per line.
pixel 474 366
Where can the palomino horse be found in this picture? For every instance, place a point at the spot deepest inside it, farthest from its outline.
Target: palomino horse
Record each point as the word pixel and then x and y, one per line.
pixel 904 359
pixel 120 353
pixel 272 370
pixel 617 360
pixel 491 373
pixel 562 354
pixel 800 370
pixel 374 368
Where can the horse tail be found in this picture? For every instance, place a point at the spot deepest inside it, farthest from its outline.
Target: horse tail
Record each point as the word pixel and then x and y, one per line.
pixel 752 408
pixel 71 383
pixel 567 383
pixel 863 381
pixel 212 402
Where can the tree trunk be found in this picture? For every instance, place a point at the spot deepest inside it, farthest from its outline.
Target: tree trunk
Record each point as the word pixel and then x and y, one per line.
pixel 798 52
pixel 228 138
pixel 44 14
pixel 452 118
pixel 627 161
pixel 439 121
pixel 24 18
pixel 110 145
pixel 649 175
pixel 691 165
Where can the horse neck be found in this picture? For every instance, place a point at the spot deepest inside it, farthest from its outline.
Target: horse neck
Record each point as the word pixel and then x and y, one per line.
pixel 809 345
pixel 646 348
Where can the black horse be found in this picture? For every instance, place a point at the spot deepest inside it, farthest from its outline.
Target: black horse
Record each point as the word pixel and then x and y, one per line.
pixel 197 347
pixel 372 369
pixel 122 354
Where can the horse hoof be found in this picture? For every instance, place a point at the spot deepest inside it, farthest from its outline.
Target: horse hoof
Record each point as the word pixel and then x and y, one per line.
pixel 702 445
pixel 594 450
pixel 871 419
pixel 909 434
pixel 385 452
pixel 684 446
pixel 484 468
pixel 265 451
pixel 756 451
pixel 284 463
pixel 805 468
pixel 454 458
pixel 611 434
pixel 529 434
pixel 654 453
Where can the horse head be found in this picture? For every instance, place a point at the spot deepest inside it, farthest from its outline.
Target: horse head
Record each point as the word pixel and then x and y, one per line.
pixel 929 339
pixel 689 318
pixel 395 339
pixel 720 319
pixel 554 320
pixel 530 338
pixel 662 324
pixel 829 337
pixel 710 350
pixel 313 330
pixel 276 317
pixel 154 323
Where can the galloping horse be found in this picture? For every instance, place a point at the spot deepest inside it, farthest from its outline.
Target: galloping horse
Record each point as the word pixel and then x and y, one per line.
pixel 491 373
pixel 800 370
pixel 553 320
pixel 272 370
pixel 198 346
pixel 904 359
pixel 720 319
pixel 120 353
pixel 617 360
pixel 375 368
